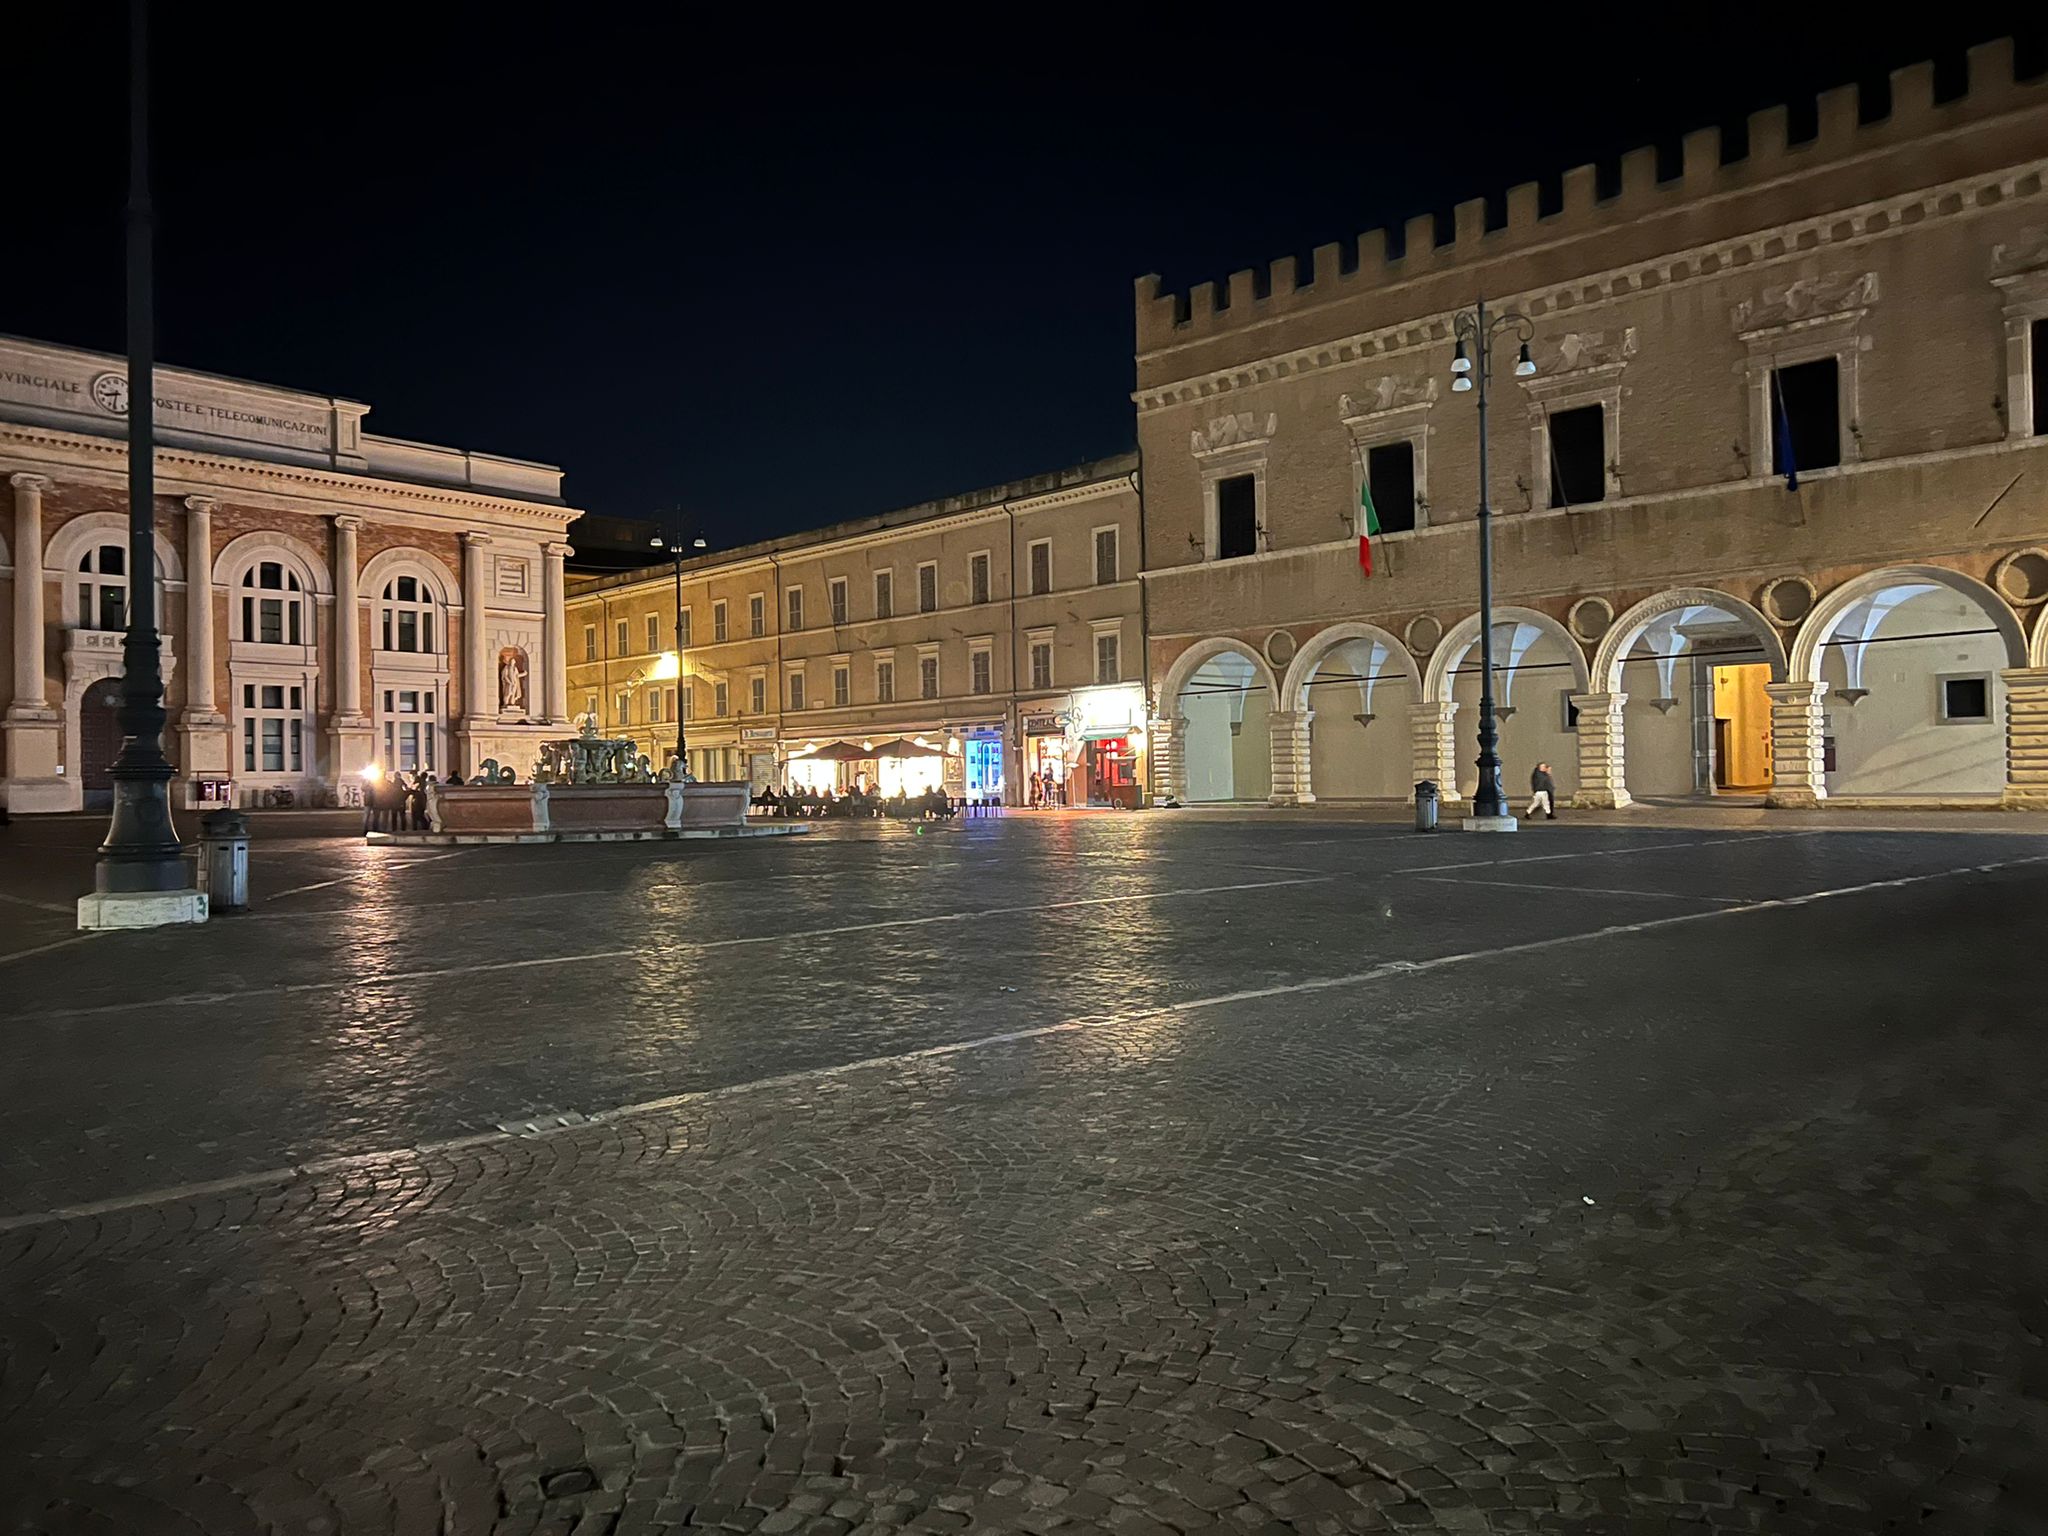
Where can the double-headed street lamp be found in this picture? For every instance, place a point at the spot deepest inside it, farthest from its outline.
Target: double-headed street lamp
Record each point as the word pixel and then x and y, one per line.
pixel 1476 332
pixel 680 547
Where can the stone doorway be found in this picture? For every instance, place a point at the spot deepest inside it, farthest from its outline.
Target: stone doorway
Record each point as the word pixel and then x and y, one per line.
pixel 99 740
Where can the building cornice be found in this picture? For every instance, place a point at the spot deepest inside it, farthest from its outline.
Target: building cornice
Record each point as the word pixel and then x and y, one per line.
pixel 1684 268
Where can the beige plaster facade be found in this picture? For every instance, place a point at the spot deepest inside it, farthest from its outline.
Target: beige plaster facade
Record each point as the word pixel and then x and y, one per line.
pixel 1885 616
pixel 1003 627
pixel 328 599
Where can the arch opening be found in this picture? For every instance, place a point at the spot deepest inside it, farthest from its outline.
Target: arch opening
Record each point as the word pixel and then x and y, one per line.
pixel 1225 705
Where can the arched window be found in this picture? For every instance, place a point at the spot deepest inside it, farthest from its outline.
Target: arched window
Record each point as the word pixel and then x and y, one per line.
pixel 272 605
pixel 407 615
pixel 103 588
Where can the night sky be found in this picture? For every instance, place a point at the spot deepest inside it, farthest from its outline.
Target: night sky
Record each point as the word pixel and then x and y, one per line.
pixel 778 275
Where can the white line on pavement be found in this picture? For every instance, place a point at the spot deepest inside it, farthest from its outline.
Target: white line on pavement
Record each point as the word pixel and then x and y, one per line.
pixel 320 1167
pixel 1606 853
pixel 191 999
pixel 364 874
pixel 1582 890
pixel 41 906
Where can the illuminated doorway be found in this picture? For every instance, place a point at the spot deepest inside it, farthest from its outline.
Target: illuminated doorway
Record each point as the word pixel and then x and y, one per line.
pixel 1742 729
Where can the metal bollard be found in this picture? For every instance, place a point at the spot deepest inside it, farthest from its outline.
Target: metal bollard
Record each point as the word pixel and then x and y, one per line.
pixel 224 860
pixel 1425 806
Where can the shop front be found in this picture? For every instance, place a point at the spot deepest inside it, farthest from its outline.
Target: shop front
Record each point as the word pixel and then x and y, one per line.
pixel 907 765
pixel 1047 761
pixel 981 763
pixel 1106 740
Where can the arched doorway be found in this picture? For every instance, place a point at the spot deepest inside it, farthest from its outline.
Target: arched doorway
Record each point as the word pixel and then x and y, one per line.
pixel 1914 705
pixel 1537 668
pixel 1359 683
pixel 1222 697
pixel 99 741
pixel 1694 665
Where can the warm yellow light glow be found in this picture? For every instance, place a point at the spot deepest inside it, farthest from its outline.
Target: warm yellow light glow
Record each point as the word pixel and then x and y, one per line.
pixel 667 667
pixel 867 746
pixel 1137 740
pixel 373 772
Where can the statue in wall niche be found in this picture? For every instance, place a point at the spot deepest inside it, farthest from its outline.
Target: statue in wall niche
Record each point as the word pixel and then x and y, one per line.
pixel 511 679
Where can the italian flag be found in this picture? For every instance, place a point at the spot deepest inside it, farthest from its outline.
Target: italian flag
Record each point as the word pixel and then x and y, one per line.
pixel 1368 525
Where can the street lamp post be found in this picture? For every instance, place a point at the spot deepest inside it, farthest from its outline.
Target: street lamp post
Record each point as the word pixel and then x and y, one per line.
pixel 141 856
pixel 679 547
pixel 1476 329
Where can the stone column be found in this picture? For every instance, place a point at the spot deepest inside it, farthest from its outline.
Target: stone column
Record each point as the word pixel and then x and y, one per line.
pixel 348 625
pixel 199 605
pixel 2026 738
pixel 555 636
pixel 478 699
pixel 1287 735
pixel 1603 777
pixel 1432 734
pixel 31 694
pixel 1163 741
pixel 1798 739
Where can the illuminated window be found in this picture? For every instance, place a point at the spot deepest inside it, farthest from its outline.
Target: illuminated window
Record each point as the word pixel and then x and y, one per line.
pixel 407 615
pixel 409 720
pixel 272 605
pixel 273 728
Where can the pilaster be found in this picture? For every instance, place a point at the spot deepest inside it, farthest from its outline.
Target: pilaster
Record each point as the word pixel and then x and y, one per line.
pixel 1798 743
pixel 1287 738
pixel 1163 737
pixel 1435 746
pixel 2026 738
pixel 1603 776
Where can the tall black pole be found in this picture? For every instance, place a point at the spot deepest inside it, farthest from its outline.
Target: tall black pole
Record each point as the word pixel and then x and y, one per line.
pixel 1487 799
pixel 682 677
pixel 141 852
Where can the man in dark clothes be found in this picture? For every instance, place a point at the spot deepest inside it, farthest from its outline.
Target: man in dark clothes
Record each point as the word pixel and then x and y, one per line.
pixel 1542 792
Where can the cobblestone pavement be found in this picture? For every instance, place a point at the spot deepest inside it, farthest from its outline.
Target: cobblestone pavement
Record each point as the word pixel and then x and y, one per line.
pixel 1126 1174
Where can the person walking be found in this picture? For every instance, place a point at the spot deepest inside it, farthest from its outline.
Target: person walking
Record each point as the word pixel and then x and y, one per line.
pixel 1542 792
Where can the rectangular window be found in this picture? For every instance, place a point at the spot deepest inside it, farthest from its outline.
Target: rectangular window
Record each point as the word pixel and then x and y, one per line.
pixel 977 578
pixel 590 642
pixel 590 705
pixel 836 596
pixel 978 671
pixel 928 587
pixel 1578 455
pixel 1040 559
pixel 2038 351
pixel 758 695
pixel 654 632
pixel 885 594
pixel 1041 663
pixel 270 621
pixel 1806 416
pixel 624 637
pixel 623 704
pixel 1966 698
pixel 757 615
pixel 689 703
pixel 1108 667
pixel 1237 517
pixel 654 706
pixel 795 595
pixel 721 700
pixel 796 690
pixel 928 676
pixel 408 630
pixel 842 687
pixel 1390 472
pixel 885 682
pixel 718 627
pixel 1105 556
pixel 683 630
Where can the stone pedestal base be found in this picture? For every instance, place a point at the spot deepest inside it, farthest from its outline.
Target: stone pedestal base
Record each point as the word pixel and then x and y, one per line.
pixel 141 909
pixel 1490 824
pixel 202 754
pixel 35 741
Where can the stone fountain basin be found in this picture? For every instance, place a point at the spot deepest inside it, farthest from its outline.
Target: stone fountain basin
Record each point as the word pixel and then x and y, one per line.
pixel 463 813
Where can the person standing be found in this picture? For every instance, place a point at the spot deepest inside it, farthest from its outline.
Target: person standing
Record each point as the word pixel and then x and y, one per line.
pixel 1542 792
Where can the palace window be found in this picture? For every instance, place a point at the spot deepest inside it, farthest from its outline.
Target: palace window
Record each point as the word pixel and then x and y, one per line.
pixel 1390 472
pixel 625 639
pixel 103 588
pixel 979 670
pixel 1578 455
pixel 718 627
pixel 685 699
pixel 977 578
pixel 409 729
pixel 928 676
pixel 842 687
pixel 1966 698
pixel 1108 662
pixel 622 707
pixel 590 642
pixel 1237 517
pixel 885 594
pixel 721 700
pixel 272 605
pixel 928 587
pixel 795 596
pixel 1041 663
pixel 653 631
pixel 836 595
pixel 273 728
pixel 1105 556
pixel 654 706
pixel 407 616
pixel 758 691
pixel 1806 416
pixel 885 682
pixel 1040 559
pixel 796 690
pixel 757 615
pixel 683 630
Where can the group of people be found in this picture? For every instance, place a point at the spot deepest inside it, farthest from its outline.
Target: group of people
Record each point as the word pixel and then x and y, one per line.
pixel 802 802
pixel 1045 789
pixel 397 802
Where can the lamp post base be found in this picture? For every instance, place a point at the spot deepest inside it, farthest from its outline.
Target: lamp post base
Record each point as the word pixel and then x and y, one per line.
pixel 140 909
pixel 1490 824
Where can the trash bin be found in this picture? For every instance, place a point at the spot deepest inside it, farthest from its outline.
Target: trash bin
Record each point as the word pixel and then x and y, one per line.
pixel 224 860
pixel 1425 806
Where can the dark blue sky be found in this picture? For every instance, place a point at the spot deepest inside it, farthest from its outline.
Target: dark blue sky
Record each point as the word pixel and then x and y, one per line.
pixel 777 275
